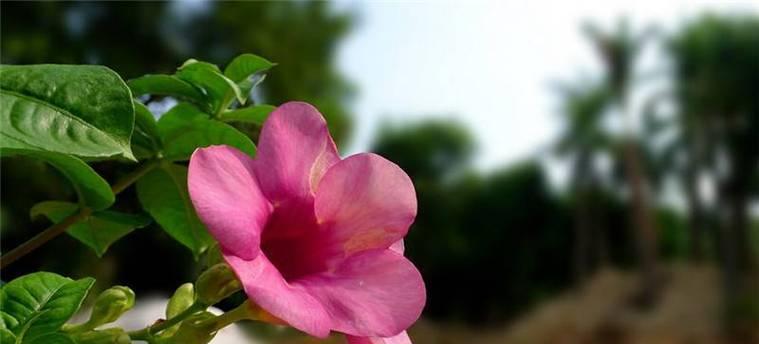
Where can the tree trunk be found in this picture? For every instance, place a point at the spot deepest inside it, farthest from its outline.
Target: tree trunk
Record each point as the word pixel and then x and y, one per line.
pixel 696 218
pixel 600 227
pixel 582 217
pixel 643 226
pixel 730 226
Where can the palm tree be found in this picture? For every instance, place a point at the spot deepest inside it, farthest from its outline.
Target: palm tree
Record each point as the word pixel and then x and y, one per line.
pixel 618 50
pixel 685 156
pixel 583 138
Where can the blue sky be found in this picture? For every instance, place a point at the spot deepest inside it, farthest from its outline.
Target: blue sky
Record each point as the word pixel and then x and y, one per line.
pixel 488 64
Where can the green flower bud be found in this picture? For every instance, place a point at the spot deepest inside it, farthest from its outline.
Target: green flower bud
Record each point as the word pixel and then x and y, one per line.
pixel 182 299
pixel 110 305
pixel 216 283
pixel 196 329
pixel 107 336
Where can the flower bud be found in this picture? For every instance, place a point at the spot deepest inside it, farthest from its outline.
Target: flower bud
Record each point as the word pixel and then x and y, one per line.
pixel 182 299
pixel 196 329
pixel 107 336
pixel 110 305
pixel 216 283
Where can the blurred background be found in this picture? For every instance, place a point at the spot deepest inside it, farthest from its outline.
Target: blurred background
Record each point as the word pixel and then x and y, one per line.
pixel 587 172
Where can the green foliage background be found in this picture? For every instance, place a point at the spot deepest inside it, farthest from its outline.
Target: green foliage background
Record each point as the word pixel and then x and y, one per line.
pixel 135 38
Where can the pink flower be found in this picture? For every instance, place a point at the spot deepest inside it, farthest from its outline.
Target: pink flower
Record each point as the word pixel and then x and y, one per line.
pixel 315 240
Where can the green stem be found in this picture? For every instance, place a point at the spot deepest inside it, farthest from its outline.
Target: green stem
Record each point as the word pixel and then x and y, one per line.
pixel 60 227
pixel 148 332
pixel 131 178
pixel 43 237
pixel 228 318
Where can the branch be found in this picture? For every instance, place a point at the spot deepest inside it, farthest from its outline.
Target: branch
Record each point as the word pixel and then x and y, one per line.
pixel 148 332
pixel 129 179
pixel 60 227
pixel 43 237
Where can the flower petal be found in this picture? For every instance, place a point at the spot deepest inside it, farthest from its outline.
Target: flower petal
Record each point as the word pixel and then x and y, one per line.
pixel 398 246
pixel 376 293
pixel 291 303
pixel 366 201
pixel 401 338
pixel 294 151
pixel 227 198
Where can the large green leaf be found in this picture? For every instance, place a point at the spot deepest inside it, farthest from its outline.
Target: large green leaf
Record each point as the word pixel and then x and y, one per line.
pixel 163 194
pixel 99 230
pixel 6 336
pixel 38 304
pixel 253 114
pixel 93 190
pixel 79 110
pixel 146 141
pixel 166 85
pixel 184 128
pixel 112 335
pixel 220 90
pixel 51 338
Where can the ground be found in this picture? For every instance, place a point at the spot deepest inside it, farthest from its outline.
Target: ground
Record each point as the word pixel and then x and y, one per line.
pixel 688 312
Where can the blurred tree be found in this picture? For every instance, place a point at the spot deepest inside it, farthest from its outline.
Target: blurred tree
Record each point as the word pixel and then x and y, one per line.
pixel 135 38
pixel 717 79
pixel 127 37
pixel 618 50
pixel 429 150
pixel 518 255
pixel 682 156
pixel 483 243
pixel 582 140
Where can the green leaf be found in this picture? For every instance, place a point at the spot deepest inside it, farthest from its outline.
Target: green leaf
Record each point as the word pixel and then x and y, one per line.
pixel 6 336
pixel 92 190
pixel 243 69
pixel 193 63
pixel 113 335
pixel 175 118
pixel 182 299
pixel 254 114
pixel 146 141
pixel 52 338
pixel 163 194
pixel 184 128
pixel 166 85
pixel 80 110
pixel 219 89
pixel 38 304
pixel 245 65
pixel 99 230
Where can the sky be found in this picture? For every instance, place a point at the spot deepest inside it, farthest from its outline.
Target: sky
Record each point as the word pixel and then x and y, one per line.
pixel 490 65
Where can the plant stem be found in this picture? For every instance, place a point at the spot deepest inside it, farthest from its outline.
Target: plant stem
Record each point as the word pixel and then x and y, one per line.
pixel 60 227
pixel 129 179
pixel 43 237
pixel 233 316
pixel 148 332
